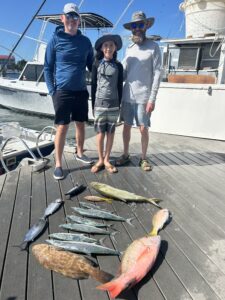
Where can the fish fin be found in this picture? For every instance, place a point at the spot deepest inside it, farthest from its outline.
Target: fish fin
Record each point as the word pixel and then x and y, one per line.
pixel 101 276
pixel 153 232
pixel 114 287
pixel 124 200
pixel 130 220
pixel 154 201
pixel 108 200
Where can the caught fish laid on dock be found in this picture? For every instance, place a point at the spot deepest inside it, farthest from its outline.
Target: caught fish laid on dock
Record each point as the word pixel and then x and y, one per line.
pixel 83 247
pixel 33 233
pixel 52 207
pixel 159 219
pixel 88 205
pixel 98 199
pixel 64 236
pixel 76 190
pixel 101 214
pixel 80 220
pixel 68 264
pixel 117 194
pixel 136 262
pixel 84 228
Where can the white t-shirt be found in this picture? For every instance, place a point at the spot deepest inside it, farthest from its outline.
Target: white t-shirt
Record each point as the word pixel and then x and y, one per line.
pixel 142 70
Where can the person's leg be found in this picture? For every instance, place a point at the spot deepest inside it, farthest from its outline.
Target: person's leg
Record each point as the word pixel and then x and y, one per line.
pixel 100 147
pixel 144 140
pixel 60 138
pixel 108 147
pixel 126 139
pixel 80 136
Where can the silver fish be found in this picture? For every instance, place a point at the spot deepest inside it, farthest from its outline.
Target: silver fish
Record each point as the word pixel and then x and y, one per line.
pixel 33 233
pixel 100 214
pixel 82 247
pixel 89 205
pixel 84 228
pixel 64 236
pixel 76 190
pixel 52 207
pixel 80 220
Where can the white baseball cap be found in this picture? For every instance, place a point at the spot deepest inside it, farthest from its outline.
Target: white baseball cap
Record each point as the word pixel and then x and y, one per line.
pixel 71 8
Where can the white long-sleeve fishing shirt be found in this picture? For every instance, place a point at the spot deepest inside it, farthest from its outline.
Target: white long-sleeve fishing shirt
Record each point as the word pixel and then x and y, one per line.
pixel 142 70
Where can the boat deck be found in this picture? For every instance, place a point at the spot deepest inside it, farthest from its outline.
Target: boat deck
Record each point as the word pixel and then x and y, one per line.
pixel 188 174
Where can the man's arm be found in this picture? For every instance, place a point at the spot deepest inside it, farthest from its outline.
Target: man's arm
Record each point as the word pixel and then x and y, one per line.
pixel 49 67
pixel 90 58
pixel 120 82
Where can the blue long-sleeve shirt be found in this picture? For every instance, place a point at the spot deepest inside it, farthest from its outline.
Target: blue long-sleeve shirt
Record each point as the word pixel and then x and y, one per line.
pixel 66 59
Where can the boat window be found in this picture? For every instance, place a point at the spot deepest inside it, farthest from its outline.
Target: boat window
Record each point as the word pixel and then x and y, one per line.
pixel 33 73
pixel 210 56
pixel 188 58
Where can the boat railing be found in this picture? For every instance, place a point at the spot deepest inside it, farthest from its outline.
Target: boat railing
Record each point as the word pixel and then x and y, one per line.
pixel 40 134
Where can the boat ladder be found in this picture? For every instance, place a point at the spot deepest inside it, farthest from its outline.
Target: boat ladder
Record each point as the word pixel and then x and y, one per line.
pixel 36 164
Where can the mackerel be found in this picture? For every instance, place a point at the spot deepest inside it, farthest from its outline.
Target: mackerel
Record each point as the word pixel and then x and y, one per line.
pixel 101 214
pixel 72 237
pixel 84 228
pixel 82 247
pixel 80 220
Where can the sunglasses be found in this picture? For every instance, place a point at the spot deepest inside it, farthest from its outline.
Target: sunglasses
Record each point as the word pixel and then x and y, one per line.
pixel 72 16
pixel 137 25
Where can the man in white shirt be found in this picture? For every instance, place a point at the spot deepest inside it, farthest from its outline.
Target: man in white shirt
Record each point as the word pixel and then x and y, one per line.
pixel 142 68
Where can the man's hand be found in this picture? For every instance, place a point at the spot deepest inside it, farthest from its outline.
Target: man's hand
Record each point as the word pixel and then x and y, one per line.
pixel 150 107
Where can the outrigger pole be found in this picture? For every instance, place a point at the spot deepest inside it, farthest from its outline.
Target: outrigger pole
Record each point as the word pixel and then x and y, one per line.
pixel 22 35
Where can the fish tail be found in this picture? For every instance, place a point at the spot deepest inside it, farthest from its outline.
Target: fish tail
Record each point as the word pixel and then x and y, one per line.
pixel 130 220
pixel 101 275
pixel 154 201
pixel 114 287
pixel 154 232
pixel 108 200
pixel 23 246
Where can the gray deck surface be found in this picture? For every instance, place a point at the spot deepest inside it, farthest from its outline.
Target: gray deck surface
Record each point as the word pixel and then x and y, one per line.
pixel 188 174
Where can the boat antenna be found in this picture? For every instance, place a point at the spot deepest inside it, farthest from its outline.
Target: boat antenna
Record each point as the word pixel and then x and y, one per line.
pixel 81 2
pixel 123 13
pixel 22 35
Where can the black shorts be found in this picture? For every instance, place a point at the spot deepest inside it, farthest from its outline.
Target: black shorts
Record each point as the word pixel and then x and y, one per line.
pixel 70 106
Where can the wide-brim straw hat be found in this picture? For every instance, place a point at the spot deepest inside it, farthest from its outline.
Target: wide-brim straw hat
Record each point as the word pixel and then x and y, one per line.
pixel 109 37
pixel 139 16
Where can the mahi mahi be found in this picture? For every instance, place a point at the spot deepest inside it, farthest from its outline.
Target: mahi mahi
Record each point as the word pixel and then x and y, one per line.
pixel 118 194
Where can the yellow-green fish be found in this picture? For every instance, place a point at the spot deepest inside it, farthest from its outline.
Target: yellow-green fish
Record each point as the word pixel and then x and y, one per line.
pixel 158 221
pixel 98 199
pixel 118 194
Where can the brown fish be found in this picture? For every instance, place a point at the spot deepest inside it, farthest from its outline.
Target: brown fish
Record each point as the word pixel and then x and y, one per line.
pixel 137 261
pixel 68 264
pixel 159 220
pixel 98 199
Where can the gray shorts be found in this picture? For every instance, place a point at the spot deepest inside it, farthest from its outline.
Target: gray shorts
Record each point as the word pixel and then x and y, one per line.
pixel 105 121
pixel 131 112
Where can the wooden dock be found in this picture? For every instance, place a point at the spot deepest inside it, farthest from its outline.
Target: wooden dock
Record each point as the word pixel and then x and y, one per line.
pixel 188 174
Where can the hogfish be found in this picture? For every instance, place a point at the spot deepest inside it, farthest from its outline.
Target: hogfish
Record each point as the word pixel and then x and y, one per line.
pixel 137 261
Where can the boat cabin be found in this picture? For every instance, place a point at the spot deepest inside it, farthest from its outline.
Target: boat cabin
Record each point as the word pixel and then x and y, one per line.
pixel 194 60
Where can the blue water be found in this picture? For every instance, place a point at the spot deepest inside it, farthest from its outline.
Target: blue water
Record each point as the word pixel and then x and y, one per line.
pixel 38 123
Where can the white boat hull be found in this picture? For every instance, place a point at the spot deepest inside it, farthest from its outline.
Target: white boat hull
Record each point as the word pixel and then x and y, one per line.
pixel 27 97
pixel 189 110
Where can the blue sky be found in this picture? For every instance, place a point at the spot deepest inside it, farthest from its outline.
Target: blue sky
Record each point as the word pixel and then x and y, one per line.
pixel 16 14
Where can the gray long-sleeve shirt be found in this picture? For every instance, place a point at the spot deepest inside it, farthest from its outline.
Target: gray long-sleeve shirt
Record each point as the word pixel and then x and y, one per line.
pixel 142 70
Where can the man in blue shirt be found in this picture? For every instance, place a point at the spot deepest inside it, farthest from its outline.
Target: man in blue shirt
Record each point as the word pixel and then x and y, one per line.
pixel 67 55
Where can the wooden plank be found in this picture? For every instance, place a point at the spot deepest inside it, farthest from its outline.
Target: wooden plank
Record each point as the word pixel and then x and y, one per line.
pixel 39 284
pixel 62 285
pixel 16 260
pixel 7 201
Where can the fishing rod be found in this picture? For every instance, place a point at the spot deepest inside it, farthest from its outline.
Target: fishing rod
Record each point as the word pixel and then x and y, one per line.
pixel 22 35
